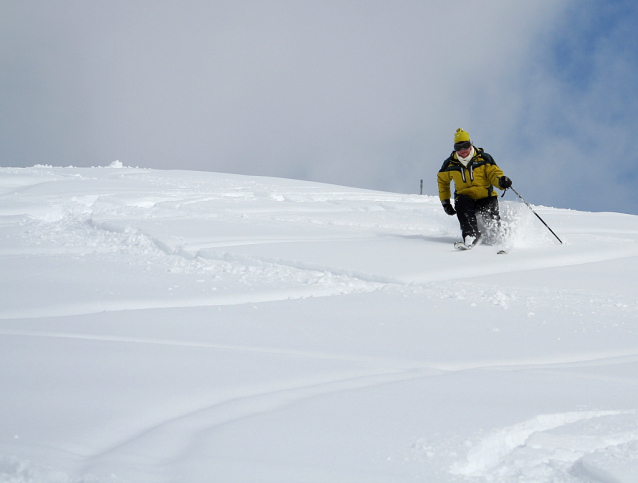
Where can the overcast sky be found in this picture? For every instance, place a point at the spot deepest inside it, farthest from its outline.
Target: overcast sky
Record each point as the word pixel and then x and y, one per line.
pixel 361 93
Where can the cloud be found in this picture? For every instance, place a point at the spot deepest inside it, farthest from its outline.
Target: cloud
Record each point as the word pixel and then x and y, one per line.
pixel 361 93
pixel 572 111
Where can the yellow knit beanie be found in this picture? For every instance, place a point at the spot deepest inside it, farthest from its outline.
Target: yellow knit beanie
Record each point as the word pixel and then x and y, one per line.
pixel 460 136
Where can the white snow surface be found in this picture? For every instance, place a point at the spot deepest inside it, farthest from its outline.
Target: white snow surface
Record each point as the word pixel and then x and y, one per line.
pixel 173 326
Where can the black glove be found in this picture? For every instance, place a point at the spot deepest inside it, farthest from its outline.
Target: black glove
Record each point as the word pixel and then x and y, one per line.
pixel 504 182
pixel 449 209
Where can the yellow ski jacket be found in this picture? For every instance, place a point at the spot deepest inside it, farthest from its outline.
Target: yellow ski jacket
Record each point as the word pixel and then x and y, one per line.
pixel 477 180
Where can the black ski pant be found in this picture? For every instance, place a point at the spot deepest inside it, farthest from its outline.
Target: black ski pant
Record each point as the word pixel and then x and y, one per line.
pixel 467 209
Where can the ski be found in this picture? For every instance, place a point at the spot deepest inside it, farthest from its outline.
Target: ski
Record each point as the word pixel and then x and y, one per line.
pixel 462 246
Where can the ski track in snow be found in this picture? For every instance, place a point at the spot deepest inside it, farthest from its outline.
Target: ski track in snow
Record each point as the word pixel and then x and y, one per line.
pixel 198 423
pixel 526 452
pixel 548 446
pixel 389 364
pixel 103 223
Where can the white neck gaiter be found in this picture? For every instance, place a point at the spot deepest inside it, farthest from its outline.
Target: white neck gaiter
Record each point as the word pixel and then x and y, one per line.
pixel 466 160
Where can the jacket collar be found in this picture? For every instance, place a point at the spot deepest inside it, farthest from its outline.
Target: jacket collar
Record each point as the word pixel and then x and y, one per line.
pixel 477 152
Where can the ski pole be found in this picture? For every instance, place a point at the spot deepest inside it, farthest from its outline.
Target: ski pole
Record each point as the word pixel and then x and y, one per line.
pixel 530 207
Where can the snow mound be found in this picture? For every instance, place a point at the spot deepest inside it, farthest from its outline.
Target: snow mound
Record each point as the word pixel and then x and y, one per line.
pixel 557 448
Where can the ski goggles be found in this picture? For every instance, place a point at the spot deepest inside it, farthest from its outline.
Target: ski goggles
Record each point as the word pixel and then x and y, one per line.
pixel 462 145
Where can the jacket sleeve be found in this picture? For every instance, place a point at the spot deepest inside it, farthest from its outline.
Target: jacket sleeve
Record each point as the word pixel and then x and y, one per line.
pixel 493 172
pixel 444 178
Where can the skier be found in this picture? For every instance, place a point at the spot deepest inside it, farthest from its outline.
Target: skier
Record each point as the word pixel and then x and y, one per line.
pixel 475 174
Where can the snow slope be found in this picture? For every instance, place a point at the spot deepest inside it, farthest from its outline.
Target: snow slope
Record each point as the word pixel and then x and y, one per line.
pixel 172 326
